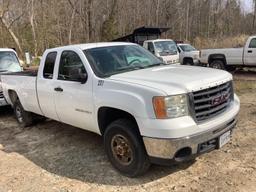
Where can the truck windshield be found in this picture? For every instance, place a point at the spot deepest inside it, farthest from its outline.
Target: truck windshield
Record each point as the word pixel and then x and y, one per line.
pixel 187 48
pixel 9 62
pixel 107 61
pixel 165 48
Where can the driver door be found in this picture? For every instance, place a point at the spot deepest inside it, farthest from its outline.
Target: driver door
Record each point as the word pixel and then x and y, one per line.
pixel 250 53
pixel 74 100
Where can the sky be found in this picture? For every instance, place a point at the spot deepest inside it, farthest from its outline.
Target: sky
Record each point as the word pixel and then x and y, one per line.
pixel 247 5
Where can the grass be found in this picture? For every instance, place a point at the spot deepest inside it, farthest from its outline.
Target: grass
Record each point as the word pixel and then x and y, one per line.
pixel 242 86
pixel 222 42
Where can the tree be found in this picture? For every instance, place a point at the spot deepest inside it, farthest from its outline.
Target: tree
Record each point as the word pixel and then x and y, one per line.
pixel 254 17
pixel 32 23
pixel 109 31
pixel 7 21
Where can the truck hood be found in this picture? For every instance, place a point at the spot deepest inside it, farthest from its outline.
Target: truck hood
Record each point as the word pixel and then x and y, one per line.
pixel 175 79
pixel 193 54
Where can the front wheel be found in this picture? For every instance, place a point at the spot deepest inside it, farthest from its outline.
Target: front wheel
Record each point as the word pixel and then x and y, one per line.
pixel 23 117
pixel 125 149
pixel 217 64
pixel 188 62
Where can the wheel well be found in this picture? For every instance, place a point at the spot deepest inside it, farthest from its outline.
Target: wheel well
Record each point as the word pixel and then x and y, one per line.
pixel 187 59
pixel 107 115
pixel 220 57
pixel 13 96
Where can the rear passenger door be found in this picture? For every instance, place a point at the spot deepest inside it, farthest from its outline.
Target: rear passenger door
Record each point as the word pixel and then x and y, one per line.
pixel 46 84
pixel 250 53
pixel 74 100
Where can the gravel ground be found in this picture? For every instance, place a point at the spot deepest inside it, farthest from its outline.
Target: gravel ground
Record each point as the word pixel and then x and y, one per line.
pixel 51 156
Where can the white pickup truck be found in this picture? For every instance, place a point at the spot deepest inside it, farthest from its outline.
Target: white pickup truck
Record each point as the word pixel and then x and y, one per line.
pixel 189 55
pixel 8 63
pixel 165 49
pixel 146 111
pixel 231 58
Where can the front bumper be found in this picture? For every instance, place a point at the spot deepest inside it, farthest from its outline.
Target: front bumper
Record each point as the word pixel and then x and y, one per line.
pixel 3 102
pixel 172 136
pixel 166 149
pixel 196 61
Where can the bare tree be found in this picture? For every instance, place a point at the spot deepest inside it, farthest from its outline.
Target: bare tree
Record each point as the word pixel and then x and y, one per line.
pixel 35 25
pixel 7 22
pixel 32 23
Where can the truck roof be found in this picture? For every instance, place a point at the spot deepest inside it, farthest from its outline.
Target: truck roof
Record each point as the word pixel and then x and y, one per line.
pixel 7 49
pixel 158 40
pixel 91 45
pixel 183 44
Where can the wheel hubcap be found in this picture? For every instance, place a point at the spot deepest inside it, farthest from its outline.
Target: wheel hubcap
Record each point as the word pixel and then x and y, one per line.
pixel 216 66
pixel 122 150
pixel 19 114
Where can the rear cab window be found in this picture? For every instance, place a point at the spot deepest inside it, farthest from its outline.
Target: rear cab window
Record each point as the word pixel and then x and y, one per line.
pixel 49 65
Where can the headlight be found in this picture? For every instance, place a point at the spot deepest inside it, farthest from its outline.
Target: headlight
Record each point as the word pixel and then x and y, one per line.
pixel 170 106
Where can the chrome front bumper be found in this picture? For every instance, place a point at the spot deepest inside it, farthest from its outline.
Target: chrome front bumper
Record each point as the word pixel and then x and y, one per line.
pixel 168 148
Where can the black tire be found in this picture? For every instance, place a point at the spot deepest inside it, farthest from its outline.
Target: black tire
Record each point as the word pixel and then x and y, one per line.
pixel 218 64
pixel 135 159
pixel 38 118
pixel 188 62
pixel 23 117
pixel 231 68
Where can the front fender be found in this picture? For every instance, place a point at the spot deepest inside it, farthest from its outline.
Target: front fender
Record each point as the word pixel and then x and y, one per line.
pixel 127 101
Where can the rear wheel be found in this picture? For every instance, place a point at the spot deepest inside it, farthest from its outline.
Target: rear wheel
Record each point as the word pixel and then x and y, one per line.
pixel 217 64
pixel 125 148
pixel 23 117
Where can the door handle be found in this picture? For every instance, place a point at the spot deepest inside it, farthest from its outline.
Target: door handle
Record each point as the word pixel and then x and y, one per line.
pixel 250 51
pixel 58 89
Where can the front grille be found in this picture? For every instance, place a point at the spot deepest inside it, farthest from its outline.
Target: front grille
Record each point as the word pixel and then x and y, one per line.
pixel 211 102
pixel 1 95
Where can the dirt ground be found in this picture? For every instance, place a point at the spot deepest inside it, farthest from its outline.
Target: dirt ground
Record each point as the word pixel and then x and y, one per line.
pixel 54 157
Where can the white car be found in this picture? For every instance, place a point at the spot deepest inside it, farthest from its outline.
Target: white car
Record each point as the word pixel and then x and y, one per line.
pixel 232 57
pixel 146 111
pixel 165 49
pixel 8 63
pixel 189 55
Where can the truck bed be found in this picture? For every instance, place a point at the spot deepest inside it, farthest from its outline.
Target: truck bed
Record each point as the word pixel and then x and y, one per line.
pixel 233 56
pixel 30 73
pixel 24 85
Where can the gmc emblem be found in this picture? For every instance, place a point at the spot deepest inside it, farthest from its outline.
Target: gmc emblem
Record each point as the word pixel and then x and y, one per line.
pixel 220 99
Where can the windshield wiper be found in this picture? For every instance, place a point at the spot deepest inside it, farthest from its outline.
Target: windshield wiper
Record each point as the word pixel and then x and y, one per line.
pixel 2 71
pixel 154 65
pixel 129 68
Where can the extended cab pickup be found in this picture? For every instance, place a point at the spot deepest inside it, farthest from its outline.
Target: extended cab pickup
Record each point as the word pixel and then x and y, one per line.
pixel 8 63
pixel 232 57
pixel 147 111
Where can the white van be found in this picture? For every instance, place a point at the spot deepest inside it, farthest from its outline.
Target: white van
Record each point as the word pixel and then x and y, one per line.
pixel 165 49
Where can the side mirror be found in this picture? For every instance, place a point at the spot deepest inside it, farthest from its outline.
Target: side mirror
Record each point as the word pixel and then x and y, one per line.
pixel 83 78
pixel 77 75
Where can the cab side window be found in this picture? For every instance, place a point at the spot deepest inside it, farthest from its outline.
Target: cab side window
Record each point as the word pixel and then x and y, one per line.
pixel 71 66
pixel 49 65
pixel 253 43
pixel 151 47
